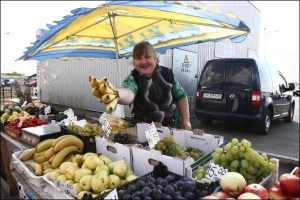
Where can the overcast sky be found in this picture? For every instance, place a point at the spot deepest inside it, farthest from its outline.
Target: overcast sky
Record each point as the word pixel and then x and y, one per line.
pixel 22 18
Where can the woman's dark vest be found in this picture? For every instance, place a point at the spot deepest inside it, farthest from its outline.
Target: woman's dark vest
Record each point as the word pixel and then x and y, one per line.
pixel 154 101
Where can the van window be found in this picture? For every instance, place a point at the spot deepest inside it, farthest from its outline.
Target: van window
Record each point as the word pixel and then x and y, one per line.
pixel 264 75
pixel 240 74
pixel 214 73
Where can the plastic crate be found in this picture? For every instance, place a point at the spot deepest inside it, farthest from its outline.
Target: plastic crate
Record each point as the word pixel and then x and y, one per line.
pixel 211 187
pixel 13 134
pixel 88 141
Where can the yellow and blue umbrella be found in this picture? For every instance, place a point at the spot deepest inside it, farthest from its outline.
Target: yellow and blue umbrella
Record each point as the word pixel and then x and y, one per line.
pixel 112 30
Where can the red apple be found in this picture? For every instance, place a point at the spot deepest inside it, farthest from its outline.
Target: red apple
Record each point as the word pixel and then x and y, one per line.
pixel 248 195
pixel 233 183
pixel 297 172
pixel 222 195
pixel 258 190
pixel 275 193
pixel 289 185
pixel 210 197
pixel 277 185
pixel 283 175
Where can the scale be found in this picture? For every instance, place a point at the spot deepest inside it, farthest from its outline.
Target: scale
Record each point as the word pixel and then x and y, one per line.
pixel 34 135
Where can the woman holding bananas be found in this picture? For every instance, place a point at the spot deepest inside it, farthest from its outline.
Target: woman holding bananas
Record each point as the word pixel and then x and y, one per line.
pixel 154 91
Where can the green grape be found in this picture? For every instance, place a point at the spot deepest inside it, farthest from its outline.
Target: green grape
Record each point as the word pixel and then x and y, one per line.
pixel 164 147
pixel 249 181
pixel 236 156
pixel 244 164
pixel 200 171
pixel 234 150
pixel 256 155
pixel 242 171
pixel 273 160
pixel 216 157
pixel 242 148
pixel 250 150
pixel 247 156
pixel 265 164
pixel 244 141
pixel 234 141
pixel 247 144
pixel 261 160
pixel 235 164
pixel 224 163
pixel 199 176
pixel 219 150
pixel 233 169
pixel 248 176
pixel 228 167
pixel 223 157
pixel 227 147
pixel 256 164
pixel 229 155
pixel 271 166
pixel 264 156
pixel 258 172
pixel 241 154
pixel 212 154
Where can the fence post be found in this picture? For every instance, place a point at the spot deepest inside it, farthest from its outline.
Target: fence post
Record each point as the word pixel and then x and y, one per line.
pixel 11 88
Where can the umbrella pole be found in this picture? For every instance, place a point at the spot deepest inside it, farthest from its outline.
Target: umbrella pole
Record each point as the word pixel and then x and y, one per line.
pixel 120 108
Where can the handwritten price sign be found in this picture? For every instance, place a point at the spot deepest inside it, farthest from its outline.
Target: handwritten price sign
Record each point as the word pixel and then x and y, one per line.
pixel 215 172
pixel 152 135
pixel 66 188
pixel 106 128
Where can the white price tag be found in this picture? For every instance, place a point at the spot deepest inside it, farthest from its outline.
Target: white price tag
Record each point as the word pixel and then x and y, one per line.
pixel 47 110
pixel 215 172
pixel 112 195
pixel 59 184
pixel 24 104
pixel 152 135
pixel 106 128
pixel 70 190
pixel 21 121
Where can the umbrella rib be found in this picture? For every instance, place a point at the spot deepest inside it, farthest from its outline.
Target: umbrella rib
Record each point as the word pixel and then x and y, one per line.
pixel 183 21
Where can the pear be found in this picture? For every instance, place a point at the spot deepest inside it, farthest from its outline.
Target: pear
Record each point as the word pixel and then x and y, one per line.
pixel 88 154
pixel 111 165
pixel 123 181
pixel 85 182
pixel 131 177
pixel 54 175
pixel 78 158
pixel 92 162
pixel 80 173
pixel 120 169
pixel 62 178
pixel 102 156
pixel 65 165
pixel 129 172
pixel 83 166
pixel 77 187
pixel 100 181
pixel 106 160
pixel 101 167
pixel 80 194
pixel 114 181
pixel 70 172
pixel 70 182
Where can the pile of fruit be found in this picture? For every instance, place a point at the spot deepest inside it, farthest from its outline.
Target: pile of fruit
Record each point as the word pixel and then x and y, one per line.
pixel 89 129
pixel 49 154
pixel 17 125
pixel 234 186
pixel 93 174
pixel 105 91
pixel 239 157
pixel 9 113
pixel 125 138
pixel 168 146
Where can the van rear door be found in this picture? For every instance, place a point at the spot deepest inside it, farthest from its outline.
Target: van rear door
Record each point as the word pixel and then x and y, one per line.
pixel 212 93
pixel 239 87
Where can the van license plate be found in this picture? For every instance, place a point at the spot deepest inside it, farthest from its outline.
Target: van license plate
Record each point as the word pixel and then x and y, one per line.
pixel 212 96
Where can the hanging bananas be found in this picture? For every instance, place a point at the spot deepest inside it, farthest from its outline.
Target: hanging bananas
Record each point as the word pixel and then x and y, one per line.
pixel 104 90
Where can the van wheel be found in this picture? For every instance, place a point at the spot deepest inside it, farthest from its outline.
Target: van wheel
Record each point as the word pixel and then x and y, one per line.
pixel 290 116
pixel 266 123
pixel 206 121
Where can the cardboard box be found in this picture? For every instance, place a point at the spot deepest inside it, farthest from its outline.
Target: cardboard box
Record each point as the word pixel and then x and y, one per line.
pixel 144 160
pixel 114 151
pixel 140 128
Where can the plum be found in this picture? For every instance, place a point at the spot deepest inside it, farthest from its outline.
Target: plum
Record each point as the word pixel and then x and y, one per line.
pixel 150 185
pixel 163 183
pixel 169 190
pixel 174 186
pixel 131 189
pixel 160 187
pixel 140 185
pixel 156 193
pixel 177 194
pixel 127 196
pixel 189 186
pixel 146 191
pixel 158 180
pixel 121 193
pixel 189 195
pixel 185 178
pixel 203 193
pixel 151 179
pixel 170 178
pixel 137 194
pixel 166 197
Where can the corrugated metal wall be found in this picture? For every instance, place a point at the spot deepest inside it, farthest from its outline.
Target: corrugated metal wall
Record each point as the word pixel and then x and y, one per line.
pixel 66 82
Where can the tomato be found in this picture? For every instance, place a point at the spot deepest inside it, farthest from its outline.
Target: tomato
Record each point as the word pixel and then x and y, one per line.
pixel 34 120
pixel 45 121
pixel 39 123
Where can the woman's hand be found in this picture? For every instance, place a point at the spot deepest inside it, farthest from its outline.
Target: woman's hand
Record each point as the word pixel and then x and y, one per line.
pixel 186 125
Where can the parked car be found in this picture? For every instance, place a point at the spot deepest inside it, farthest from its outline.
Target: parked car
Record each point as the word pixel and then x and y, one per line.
pixel 296 91
pixel 32 84
pixel 243 91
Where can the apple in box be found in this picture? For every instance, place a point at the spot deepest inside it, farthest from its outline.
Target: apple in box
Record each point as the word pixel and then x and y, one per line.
pixel 248 195
pixel 233 183
pixel 289 185
pixel 275 193
pixel 222 195
pixel 257 189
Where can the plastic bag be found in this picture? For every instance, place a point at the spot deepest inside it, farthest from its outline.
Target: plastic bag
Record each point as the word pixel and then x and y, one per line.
pixel 114 121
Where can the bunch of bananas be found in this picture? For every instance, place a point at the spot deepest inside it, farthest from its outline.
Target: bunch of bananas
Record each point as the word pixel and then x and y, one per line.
pixel 104 90
pixel 49 154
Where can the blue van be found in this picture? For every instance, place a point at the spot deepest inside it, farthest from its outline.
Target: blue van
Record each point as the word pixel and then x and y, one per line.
pixel 243 91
